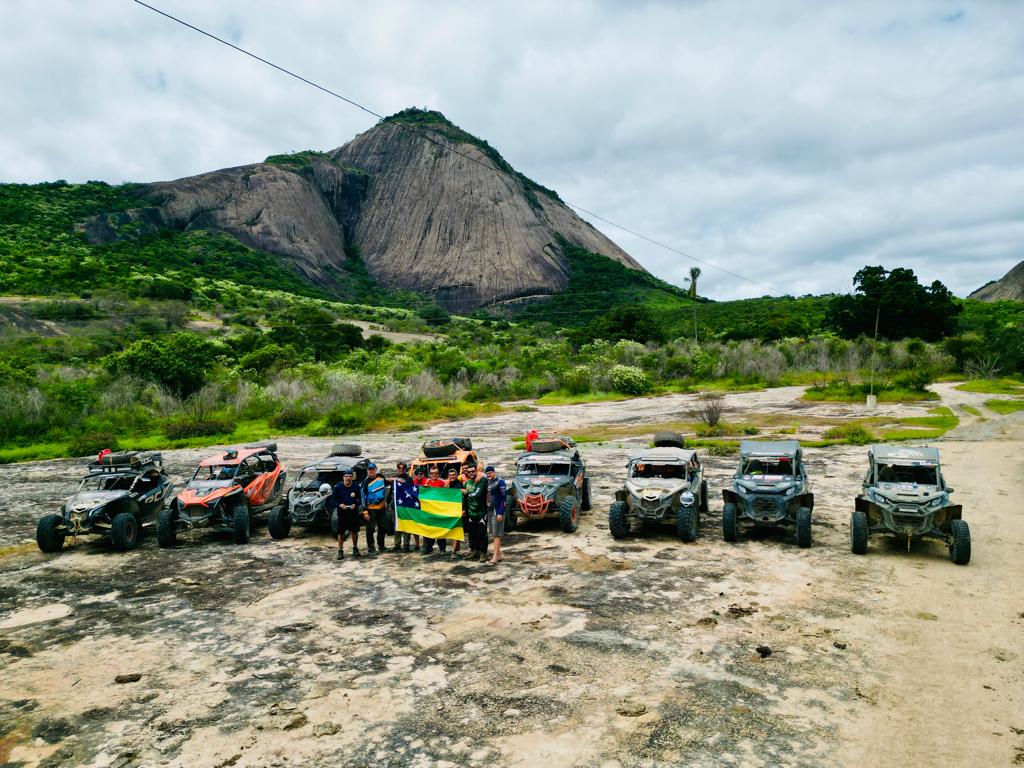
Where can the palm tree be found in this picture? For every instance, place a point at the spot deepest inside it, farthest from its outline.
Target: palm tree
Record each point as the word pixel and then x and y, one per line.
pixel 694 274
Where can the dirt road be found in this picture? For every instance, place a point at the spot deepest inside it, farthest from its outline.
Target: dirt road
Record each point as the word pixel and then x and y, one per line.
pixel 578 651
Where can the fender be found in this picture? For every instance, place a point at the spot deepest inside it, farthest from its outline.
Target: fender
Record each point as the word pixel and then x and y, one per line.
pixel 729 496
pixel 806 500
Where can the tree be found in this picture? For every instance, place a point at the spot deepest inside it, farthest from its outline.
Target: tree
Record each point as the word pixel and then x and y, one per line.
pixel 316 331
pixel 904 307
pixel 694 274
pixel 634 322
pixel 179 361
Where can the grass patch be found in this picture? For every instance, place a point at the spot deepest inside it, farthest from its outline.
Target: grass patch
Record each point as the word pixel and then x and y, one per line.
pixel 853 434
pixel 971 410
pixel 1005 407
pixel 993 386
pixel 842 392
pixel 561 397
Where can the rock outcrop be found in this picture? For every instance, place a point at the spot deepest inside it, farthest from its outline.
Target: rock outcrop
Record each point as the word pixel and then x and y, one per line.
pixel 1009 287
pixel 424 218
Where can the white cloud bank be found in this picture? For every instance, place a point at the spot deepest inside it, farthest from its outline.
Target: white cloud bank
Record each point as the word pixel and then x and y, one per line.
pixel 793 142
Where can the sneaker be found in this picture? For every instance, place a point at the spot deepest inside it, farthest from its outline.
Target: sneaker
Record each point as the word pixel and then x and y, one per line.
pixel 355 552
pixel 454 556
pixel 427 552
pixel 407 548
pixel 341 554
pixel 476 556
pixel 371 551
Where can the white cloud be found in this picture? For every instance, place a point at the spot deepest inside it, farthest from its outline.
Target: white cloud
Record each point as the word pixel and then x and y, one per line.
pixel 794 142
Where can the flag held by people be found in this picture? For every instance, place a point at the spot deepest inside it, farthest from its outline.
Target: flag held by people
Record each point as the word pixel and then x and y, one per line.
pixel 432 512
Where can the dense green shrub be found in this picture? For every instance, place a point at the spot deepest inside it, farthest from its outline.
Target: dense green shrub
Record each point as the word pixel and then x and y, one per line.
pixel 345 418
pixel 854 434
pixel 178 361
pixel 630 380
pixel 292 416
pixel 92 443
pixel 576 380
pixel 914 379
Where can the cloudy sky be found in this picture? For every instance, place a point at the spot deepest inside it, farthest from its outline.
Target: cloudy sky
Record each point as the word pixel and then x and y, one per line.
pixel 793 142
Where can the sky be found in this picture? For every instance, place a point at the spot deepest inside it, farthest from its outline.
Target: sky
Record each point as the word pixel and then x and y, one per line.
pixel 789 142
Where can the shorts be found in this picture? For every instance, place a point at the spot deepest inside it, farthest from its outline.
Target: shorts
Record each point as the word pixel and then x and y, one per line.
pixel 349 521
pixel 497 526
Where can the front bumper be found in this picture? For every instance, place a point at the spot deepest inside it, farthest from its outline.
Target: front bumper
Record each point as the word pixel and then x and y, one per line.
pixel 651 509
pixel 767 508
pixel 80 524
pixel 303 513
pixel 534 506
pixel 911 520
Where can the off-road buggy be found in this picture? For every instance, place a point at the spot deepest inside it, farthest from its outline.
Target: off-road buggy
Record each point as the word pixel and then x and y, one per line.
pixel 445 453
pixel 308 498
pixel 551 481
pixel 905 494
pixel 225 492
pixel 118 498
pixel 769 489
pixel 664 484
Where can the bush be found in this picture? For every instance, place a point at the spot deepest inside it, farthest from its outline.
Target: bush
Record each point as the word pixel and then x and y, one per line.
pixel 92 442
pixel 345 418
pixel 630 380
pixel 183 430
pixel 854 434
pixel 292 416
pixel 576 380
pixel 709 408
pixel 915 379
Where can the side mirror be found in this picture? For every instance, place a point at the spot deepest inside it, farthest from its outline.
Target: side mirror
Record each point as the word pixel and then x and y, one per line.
pixel 949 489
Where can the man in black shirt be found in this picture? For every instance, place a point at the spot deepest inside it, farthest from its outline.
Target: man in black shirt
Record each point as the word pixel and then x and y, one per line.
pixel 346 500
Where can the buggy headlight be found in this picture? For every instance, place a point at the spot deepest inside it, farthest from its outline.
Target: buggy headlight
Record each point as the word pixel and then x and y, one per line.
pixel 686 499
pixel 791 490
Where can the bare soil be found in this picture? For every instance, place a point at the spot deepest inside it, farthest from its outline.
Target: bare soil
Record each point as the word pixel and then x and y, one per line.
pixel 576 651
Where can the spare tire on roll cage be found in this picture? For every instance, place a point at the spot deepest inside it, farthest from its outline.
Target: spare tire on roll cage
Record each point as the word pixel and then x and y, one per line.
pixel 346 449
pixel 439 449
pixel 549 444
pixel 669 440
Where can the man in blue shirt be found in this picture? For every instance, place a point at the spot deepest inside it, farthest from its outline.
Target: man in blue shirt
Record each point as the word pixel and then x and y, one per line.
pixel 374 492
pixel 496 508
pixel 345 499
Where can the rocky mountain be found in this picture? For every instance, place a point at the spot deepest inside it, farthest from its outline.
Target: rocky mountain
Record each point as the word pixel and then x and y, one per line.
pixel 421 217
pixel 1010 286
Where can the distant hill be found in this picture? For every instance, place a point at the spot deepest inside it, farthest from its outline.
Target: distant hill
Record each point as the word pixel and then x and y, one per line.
pixel 1009 287
pixel 419 218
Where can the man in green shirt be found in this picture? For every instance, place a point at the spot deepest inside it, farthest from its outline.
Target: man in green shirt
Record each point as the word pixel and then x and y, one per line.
pixel 475 492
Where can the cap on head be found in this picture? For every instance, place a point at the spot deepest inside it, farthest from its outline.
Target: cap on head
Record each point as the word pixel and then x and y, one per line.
pixel 489 468
pixel 347 473
pixel 371 465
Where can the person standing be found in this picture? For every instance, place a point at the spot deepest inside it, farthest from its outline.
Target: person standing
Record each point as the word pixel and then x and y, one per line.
pixel 433 480
pixel 496 510
pixel 375 508
pixel 402 539
pixel 454 481
pixel 345 499
pixel 475 492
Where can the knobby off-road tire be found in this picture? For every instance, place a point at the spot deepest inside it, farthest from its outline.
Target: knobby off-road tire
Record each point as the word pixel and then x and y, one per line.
pixel 240 524
pixel 48 537
pixel 124 531
pixel 167 528
pixel 730 526
pixel 688 523
pixel 585 503
pixel 859 532
pixel 669 440
pixel 546 445
pixel 279 523
pixel 960 549
pixel 439 449
pixel 465 443
pixel 618 520
pixel 511 519
pixel 704 496
pixel 569 515
pixel 346 449
pixel 803 527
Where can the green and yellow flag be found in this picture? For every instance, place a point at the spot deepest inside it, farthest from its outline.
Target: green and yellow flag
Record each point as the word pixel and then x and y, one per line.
pixel 432 512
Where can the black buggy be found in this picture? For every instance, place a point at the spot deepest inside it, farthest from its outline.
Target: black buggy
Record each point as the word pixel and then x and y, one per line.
pixel 769 488
pixel 551 481
pixel 308 498
pixel 119 497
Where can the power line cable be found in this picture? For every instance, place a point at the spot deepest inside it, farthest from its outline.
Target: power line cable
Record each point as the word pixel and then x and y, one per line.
pixel 443 145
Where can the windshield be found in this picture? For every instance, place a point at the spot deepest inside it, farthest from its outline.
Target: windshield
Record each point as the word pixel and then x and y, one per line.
pixel 768 467
pixel 216 472
pixel 665 471
pixel 107 483
pixel 901 473
pixel 538 468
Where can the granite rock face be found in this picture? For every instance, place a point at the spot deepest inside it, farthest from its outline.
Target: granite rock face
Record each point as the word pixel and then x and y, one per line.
pixel 1010 287
pixel 424 218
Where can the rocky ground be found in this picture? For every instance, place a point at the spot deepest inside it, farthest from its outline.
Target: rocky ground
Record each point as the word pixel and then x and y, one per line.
pixel 577 651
